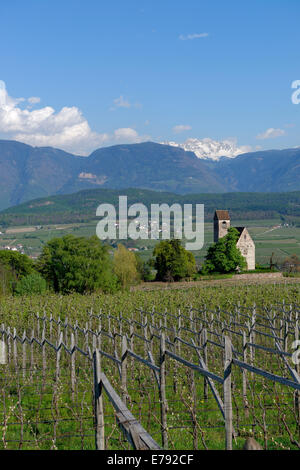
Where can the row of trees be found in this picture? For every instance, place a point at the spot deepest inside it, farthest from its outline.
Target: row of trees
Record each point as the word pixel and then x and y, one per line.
pixel 71 264
pixel 85 265
pixel 172 262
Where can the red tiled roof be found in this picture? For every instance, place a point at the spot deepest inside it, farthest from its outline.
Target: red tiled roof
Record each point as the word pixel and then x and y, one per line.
pixel 222 215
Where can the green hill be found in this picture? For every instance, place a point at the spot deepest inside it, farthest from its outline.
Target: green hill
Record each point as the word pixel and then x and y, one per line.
pixel 81 206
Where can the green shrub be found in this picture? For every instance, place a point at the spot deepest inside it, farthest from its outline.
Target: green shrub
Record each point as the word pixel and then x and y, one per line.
pixel 291 274
pixel 32 284
pixel 261 269
pixel 214 276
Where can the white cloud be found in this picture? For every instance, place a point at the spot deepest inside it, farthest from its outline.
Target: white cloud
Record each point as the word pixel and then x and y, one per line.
pixel 67 129
pixel 189 37
pixel 271 133
pixel 129 135
pixel 289 126
pixel 34 100
pixel 121 102
pixel 181 128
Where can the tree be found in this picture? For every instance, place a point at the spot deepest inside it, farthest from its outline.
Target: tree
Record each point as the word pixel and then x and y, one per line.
pixel 125 266
pixel 6 280
pixel 77 264
pixel 172 261
pixel 145 268
pixel 224 256
pixel 13 267
pixel 20 265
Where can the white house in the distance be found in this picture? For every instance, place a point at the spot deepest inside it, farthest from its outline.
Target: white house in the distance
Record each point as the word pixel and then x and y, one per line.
pixel 245 243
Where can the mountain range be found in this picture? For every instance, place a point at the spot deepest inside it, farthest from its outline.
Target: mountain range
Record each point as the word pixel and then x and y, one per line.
pixel 29 172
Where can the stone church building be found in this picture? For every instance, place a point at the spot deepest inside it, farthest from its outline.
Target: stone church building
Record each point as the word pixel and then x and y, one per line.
pixel 245 243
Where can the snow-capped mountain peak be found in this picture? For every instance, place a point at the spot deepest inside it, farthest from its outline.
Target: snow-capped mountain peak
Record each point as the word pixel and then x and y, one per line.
pixel 209 149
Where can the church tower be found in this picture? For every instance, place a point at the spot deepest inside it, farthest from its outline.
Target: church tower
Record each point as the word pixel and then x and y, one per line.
pixel 221 224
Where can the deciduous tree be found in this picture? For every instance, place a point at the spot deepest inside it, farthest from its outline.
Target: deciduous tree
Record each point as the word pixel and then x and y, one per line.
pixel 224 256
pixel 125 266
pixel 172 261
pixel 77 264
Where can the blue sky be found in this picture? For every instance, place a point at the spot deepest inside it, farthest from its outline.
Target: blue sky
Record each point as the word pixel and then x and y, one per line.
pixel 103 73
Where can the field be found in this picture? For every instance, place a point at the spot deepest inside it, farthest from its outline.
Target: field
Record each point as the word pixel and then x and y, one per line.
pixel 283 241
pixel 47 400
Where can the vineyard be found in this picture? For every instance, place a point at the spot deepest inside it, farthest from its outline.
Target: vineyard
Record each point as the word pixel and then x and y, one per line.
pixel 202 368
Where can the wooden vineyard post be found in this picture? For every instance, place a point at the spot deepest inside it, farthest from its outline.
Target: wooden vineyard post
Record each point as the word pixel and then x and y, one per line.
pixel 58 327
pixel 146 347
pixel 99 346
pixel 44 323
pixel 250 347
pixel 58 354
pixel 179 332
pixel 38 325
pixel 31 354
pixel 191 320
pixel 297 393
pixel 50 327
pixel 285 337
pixel 193 407
pixel 114 335
pixel 281 330
pixel 109 325
pixel 204 345
pixel 175 363
pixel 86 337
pixel 131 337
pixel 76 332
pixel 15 348
pixel 162 391
pixel 227 393
pixel 124 369
pixel 3 355
pixel 94 341
pixel 98 396
pixel 253 322
pixel 244 372
pixel 3 351
pixel 165 317
pixel 44 355
pixel 120 325
pixel 73 359
pixel 66 331
pixel 24 354
pixel 151 339
pixel 8 345
pixel 274 327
